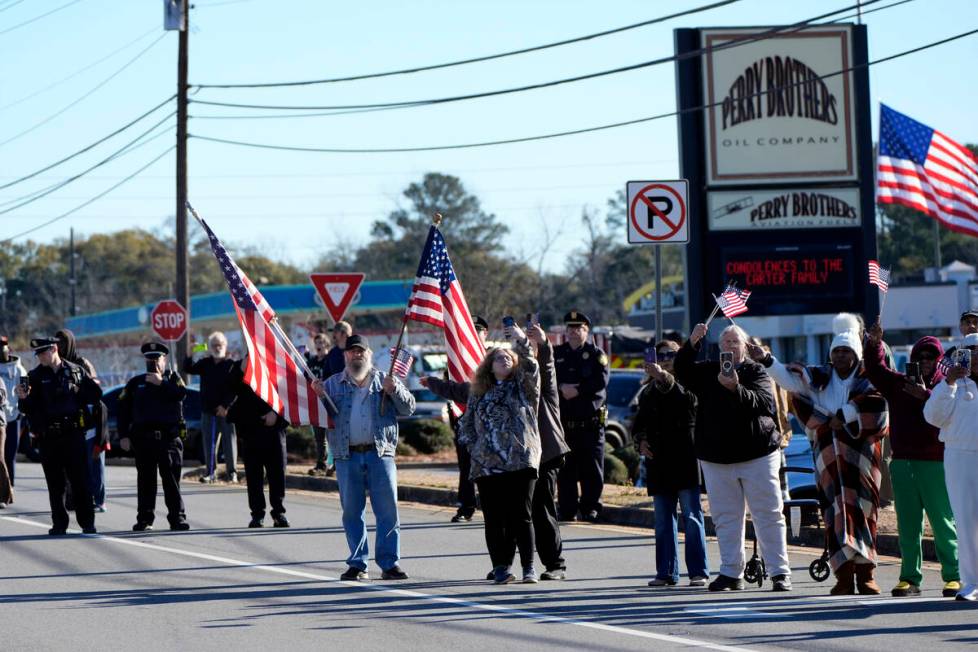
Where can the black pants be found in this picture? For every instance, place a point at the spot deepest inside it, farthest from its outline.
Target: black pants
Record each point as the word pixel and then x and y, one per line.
pixel 319 434
pixel 264 454
pixel 466 488
pixel 65 457
pixel 585 464
pixel 545 528
pixel 163 456
pixel 506 501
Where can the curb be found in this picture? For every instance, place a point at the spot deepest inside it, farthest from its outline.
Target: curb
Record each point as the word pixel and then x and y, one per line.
pixel 886 544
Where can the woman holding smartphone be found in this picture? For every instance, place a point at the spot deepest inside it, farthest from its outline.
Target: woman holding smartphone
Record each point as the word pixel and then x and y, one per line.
pixel 500 431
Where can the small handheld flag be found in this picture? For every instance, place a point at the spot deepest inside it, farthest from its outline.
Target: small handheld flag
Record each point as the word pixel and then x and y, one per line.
pixel 733 302
pixel 402 362
pixel 879 276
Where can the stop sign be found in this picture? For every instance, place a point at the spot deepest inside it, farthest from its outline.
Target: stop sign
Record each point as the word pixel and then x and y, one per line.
pixel 169 320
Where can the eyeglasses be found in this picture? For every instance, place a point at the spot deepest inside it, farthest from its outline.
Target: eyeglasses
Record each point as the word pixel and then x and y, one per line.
pixel 666 355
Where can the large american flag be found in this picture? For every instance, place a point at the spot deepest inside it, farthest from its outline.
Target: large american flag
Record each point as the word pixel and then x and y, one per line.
pixel 733 302
pixel 879 276
pixel 271 371
pixel 921 168
pixel 437 299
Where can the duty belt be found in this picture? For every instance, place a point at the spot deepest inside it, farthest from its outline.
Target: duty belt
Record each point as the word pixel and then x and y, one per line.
pixel 587 423
pixel 159 434
pixel 62 427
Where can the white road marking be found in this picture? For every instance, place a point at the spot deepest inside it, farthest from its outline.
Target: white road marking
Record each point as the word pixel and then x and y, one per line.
pixel 441 599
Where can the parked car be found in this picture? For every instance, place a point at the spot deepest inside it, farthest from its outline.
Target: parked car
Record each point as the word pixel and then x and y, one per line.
pixel 623 389
pixel 191 414
pixel 428 405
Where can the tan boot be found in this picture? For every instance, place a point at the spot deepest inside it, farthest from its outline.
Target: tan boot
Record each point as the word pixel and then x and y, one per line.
pixel 865 580
pixel 844 584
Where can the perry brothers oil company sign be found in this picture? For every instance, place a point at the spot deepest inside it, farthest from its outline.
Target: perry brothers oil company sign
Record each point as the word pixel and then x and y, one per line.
pixel 777 114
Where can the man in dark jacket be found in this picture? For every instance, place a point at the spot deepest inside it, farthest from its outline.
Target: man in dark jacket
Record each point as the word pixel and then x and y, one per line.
pixel 737 444
pixel 214 371
pixel 917 467
pixel 262 432
pixel 663 428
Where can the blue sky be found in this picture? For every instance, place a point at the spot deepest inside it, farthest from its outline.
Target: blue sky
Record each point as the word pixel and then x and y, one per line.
pixel 297 205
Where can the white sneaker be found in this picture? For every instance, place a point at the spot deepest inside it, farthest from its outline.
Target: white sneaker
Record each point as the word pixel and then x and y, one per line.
pixel 233 479
pixel 698 580
pixel 100 509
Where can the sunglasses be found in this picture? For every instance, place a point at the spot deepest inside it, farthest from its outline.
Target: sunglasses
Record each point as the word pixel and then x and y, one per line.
pixel 666 355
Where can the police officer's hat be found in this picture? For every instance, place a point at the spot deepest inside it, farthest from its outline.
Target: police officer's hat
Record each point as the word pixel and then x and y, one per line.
pixel 154 349
pixel 577 318
pixel 39 344
pixel 480 324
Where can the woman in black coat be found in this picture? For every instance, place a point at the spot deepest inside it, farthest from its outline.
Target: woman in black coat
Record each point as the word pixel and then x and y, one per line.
pixel 663 429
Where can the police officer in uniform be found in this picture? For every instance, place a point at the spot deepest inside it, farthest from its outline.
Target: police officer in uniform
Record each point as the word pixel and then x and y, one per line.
pixel 56 401
pixel 582 381
pixel 150 417
pixel 261 431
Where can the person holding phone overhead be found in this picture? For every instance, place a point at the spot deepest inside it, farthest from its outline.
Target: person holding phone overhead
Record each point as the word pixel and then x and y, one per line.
pixel 917 467
pixel 953 407
pixel 847 418
pixel 738 445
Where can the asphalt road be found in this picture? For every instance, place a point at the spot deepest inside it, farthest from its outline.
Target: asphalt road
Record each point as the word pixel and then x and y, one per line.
pixel 222 586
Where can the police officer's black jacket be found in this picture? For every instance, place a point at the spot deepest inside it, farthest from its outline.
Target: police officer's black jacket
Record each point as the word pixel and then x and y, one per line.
pixel 666 421
pixel 60 398
pixel 144 406
pixel 214 380
pixel 247 411
pixel 731 426
pixel 587 367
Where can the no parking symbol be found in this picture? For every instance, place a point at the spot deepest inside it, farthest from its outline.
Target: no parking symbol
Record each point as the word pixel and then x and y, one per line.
pixel 657 212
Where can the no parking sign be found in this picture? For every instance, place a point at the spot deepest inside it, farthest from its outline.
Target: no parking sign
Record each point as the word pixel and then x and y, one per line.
pixel 657 212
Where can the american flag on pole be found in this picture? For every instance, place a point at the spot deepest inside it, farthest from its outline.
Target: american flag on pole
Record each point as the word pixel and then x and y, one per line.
pixel 271 371
pixel 733 302
pixel 879 276
pixel 402 361
pixel 921 168
pixel 437 299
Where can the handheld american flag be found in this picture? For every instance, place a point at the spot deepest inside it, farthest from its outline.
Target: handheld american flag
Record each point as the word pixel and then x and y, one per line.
pixel 437 299
pixel 921 168
pixel 879 276
pixel 733 302
pixel 402 362
pixel 271 371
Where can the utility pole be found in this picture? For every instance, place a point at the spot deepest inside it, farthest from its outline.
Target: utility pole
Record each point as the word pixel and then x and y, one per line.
pixel 72 280
pixel 183 276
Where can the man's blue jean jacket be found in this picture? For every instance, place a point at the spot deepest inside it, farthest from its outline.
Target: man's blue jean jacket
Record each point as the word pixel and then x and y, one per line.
pixel 341 389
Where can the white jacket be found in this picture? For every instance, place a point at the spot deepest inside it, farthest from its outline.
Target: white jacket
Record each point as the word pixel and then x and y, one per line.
pixel 11 372
pixel 949 409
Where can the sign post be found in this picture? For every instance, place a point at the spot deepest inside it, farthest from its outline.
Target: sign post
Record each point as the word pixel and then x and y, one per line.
pixel 657 214
pixel 337 290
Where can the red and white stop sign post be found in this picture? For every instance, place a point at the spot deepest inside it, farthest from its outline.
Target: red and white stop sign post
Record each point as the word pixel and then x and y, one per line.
pixel 169 320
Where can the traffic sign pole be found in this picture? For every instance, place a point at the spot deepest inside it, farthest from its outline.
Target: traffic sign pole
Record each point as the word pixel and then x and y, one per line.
pixel 658 295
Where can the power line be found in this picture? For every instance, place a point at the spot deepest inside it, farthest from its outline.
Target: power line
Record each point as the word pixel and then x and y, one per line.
pixel 37 18
pixel 125 149
pixel 90 201
pixel 462 62
pixel 11 5
pixel 88 147
pixel 509 141
pixel 79 71
pixel 87 93
pixel 558 82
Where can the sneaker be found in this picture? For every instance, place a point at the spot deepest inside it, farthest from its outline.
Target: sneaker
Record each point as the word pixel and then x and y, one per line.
pixel 556 575
pixel 256 522
pixel 100 509
pixel 951 588
pixel 724 583
pixel 317 470
pixel 592 516
pixel 142 526
pixel 233 478
pixel 971 597
pixel 394 573
pixel 780 583
pixel 662 581
pixel 502 575
pixel 180 526
pixel 280 521
pixel 89 530
pixel 206 479
pixel 491 575
pixel 698 580
pixel 530 575
pixel 905 590
pixel 461 517
pixel 330 471
pixel 57 531
pixel 354 574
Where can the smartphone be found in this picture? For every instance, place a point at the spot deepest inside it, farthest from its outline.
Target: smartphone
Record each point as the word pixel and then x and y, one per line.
pixel 650 355
pixel 508 322
pixel 913 372
pixel 151 366
pixel 726 363
pixel 962 358
pixel 25 382
pixel 532 319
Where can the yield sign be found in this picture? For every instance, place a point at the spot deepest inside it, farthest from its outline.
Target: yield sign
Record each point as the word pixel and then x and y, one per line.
pixel 337 291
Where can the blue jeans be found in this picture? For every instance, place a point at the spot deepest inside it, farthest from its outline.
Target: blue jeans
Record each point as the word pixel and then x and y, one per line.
pixel 667 535
pixel 96 472
pixel 362 473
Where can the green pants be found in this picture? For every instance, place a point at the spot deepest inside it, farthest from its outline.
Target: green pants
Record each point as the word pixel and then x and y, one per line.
pixel 918 486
